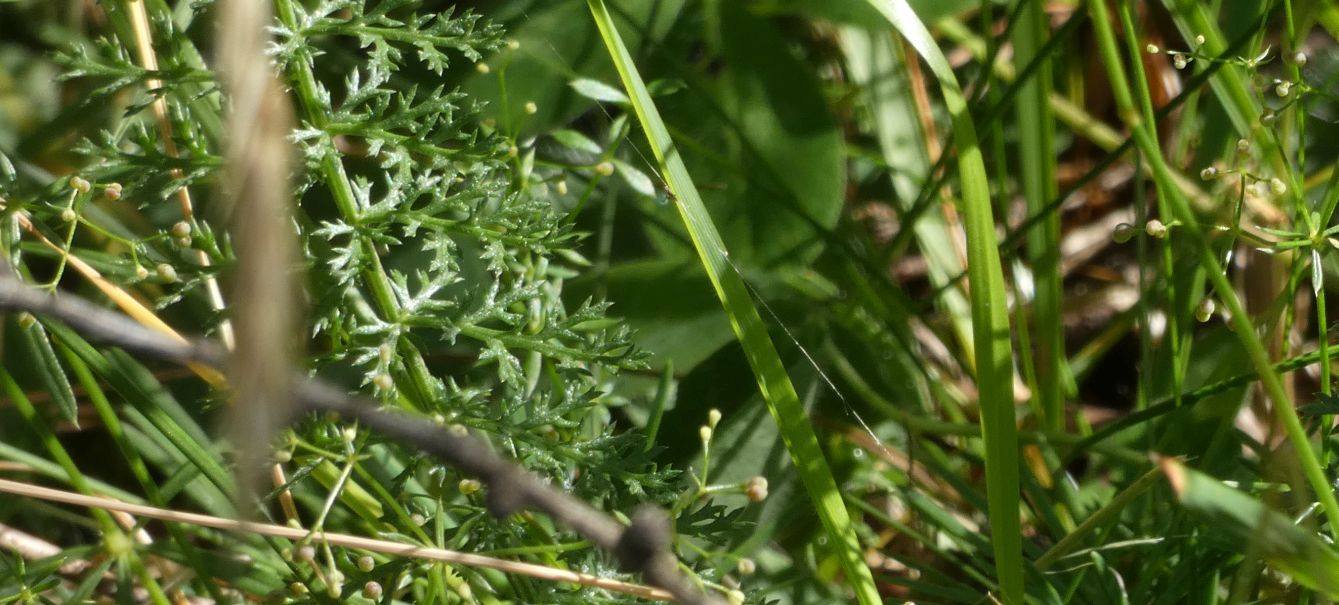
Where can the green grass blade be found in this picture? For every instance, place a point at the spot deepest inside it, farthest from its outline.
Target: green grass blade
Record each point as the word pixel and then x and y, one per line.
pixel 777 390
pixel 1288 547
pixel 1037 155
pixel 990 315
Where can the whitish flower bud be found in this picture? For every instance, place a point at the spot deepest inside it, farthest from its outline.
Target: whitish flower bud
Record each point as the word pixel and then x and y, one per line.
pixel 141 272
pixel 166 272
pixel 531 108
pixel 68 215
pixel 482 67
pixel 469 486
pixel 458 430
pixel 1209 173
pixel 304 553
pixel 26 320
pixel 513 44
pixel 79 184
pixel 1205 310
pixel 417 519
pixel 1180 61
pixel 735 597
pixel 1277 186
pixel 1243 146
pixel 746 567
pixel 1199 40
pixel 297 588
pixel 1155 229
pixel 561 187
pixel 372 590
pixel 1299 58
pixel 1152 49
pixel 112 192
pixel 383 381
pixel 366 563
pixel 604 168
pixel 1122 233
pixel 704 432
pixel 181 229
pixel 713 417
pixel 756 489
pixel 1283 88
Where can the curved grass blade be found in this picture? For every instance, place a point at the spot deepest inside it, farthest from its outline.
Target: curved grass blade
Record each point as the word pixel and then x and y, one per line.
pixel 777 390
pixel 990 315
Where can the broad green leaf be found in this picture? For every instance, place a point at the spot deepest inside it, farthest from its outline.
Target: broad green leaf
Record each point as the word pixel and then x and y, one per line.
pixel 596 90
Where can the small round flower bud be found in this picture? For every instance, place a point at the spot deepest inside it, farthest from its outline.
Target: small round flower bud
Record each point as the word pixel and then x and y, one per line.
pixel 79 184
pixel 469 486
pixel 458 430
pixel 735 597
pixel 141 272
pixel 1122 233
pixel 1283 88
pixel 68 215
pixel 304 553
pixel 297 588
pixel 604 168
pixel 372 590
pixel 166 272
pixel 417 519
pixel 531 108
pixel 756 489
pixel 746 567
pixel 513 44
pixel 1180 61
pixel 1277 186
pixel 366 563
pixel 181 229
pixel 1152 49
pixel 26 320
pixel 561 187
pixel 112 192
pixel 1243 146
pixel 482 67
pixel 704 432
pixel 1209 173
pixel 283 456
pixel 1299 58
pixel 383 381
pixel 1205 310
pixel 335 584
pixel 713 417
pixel 348 434
pixel 384 352
pixel 1199 40
pixel 1155 229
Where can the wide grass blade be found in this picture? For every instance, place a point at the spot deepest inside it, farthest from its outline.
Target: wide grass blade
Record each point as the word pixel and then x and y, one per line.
pixel 782 400
pixel 990 314
pixel 1236 516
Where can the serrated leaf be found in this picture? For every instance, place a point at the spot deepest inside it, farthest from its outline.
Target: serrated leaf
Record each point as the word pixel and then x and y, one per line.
pixel 596 90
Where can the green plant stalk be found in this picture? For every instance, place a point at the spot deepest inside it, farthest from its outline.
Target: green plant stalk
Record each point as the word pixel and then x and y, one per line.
pixel 1173 311
pixel 782 400
pixel 1245 330
pixel 1109 512
pixel 990 313
pixel 1036 140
